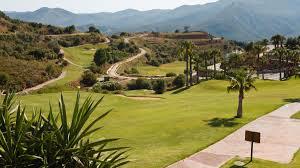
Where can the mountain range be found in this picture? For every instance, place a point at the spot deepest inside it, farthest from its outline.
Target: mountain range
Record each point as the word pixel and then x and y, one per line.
pixel 243 20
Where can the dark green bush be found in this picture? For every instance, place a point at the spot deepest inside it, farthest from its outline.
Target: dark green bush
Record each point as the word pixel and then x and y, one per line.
pixel 139 84
pixel 3 80
pixel 179 81
pixel 88 78
pixel 159 86
pixel 107 86
pixel 171 74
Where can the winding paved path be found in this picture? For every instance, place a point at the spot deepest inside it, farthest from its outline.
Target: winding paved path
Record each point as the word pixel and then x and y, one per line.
pixel 113 70
pixel 37 87
pixel 279 141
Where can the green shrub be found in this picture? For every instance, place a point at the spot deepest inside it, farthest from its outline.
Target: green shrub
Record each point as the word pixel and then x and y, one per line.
pixel 55 140
pixel 179 81
pixel 50 69
pixel 107 86
pixel 88 78
pixel 3 81
pixel 159 86
pixel 171 74
pixel 96 69
pixel 139 84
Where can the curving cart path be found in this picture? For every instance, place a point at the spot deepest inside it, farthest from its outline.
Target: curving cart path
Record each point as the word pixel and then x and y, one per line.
pixel 279 141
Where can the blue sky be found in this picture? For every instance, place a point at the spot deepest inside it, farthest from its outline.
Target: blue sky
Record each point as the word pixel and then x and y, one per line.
pixel 90 6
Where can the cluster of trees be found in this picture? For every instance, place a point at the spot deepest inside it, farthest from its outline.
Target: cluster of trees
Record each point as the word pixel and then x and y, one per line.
pixel 198 60
pixel 55 140
pixel 93 29
pixel 115 52
pixel 26 46
pixel 159 85
pixel 284 59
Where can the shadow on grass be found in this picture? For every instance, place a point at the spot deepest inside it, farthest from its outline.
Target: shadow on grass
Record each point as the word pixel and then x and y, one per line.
pixel 292 100
pixel 180 90
pixel 222 122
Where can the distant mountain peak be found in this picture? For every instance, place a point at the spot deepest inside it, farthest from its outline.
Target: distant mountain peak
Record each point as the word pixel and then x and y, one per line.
pixel 233 19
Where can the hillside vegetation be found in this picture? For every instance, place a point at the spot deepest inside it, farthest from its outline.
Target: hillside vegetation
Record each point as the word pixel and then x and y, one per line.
pixel 30 52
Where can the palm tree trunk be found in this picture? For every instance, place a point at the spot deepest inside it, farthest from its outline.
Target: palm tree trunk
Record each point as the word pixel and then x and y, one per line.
pixel 206 70
pixel 186 70
pixel 197 69
pixel 191 71
pixel 240 105
pixel 280 68
pixel 215 68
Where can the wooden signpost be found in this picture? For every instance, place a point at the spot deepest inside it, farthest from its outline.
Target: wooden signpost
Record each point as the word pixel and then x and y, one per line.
pixel 252 137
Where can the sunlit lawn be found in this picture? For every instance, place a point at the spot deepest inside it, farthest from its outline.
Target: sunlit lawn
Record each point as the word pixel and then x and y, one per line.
pixel 164 131
pixel 176 67
pixel 82 55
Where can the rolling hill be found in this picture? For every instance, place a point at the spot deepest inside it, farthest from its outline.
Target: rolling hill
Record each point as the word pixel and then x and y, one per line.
pixel 234 19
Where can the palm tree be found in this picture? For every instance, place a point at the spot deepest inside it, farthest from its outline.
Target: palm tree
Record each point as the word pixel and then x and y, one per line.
pixel 278 40
pixel 292 60
pixel 280 54
pixel 205 55
pixel 215 54
pixel 191 68
pixel 258 49
pixel 241 81
pixel 186 50
pixel 197 61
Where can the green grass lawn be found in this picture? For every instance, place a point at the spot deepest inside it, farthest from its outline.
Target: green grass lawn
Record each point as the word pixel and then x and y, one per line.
pixel 82 55
pixel 73 73
pixel 296 116
pixel 164 131
pixel 257 163
pixel 176 67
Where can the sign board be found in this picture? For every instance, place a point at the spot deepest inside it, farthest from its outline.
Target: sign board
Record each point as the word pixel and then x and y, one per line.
pixel 252 136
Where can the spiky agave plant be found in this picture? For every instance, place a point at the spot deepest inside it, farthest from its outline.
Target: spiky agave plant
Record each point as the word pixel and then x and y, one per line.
pixel 14 127
pixel 53 141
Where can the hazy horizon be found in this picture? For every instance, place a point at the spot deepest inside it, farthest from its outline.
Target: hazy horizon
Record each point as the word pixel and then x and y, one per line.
pixel 94 6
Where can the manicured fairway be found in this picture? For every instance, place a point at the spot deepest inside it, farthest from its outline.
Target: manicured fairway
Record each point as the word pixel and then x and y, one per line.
pixel 82 55
pixel 164 131
pixel 257 163
pixel 296 116
pixel 176 67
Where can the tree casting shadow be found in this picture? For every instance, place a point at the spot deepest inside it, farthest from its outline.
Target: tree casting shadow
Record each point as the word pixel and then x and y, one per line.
pixel 222 122
pixel 180 90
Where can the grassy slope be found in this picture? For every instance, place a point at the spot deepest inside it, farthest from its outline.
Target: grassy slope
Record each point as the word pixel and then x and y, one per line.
pixel 82 55
pixel 176 67
pixel 296 116
pixel 164 131
pixel 257 163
